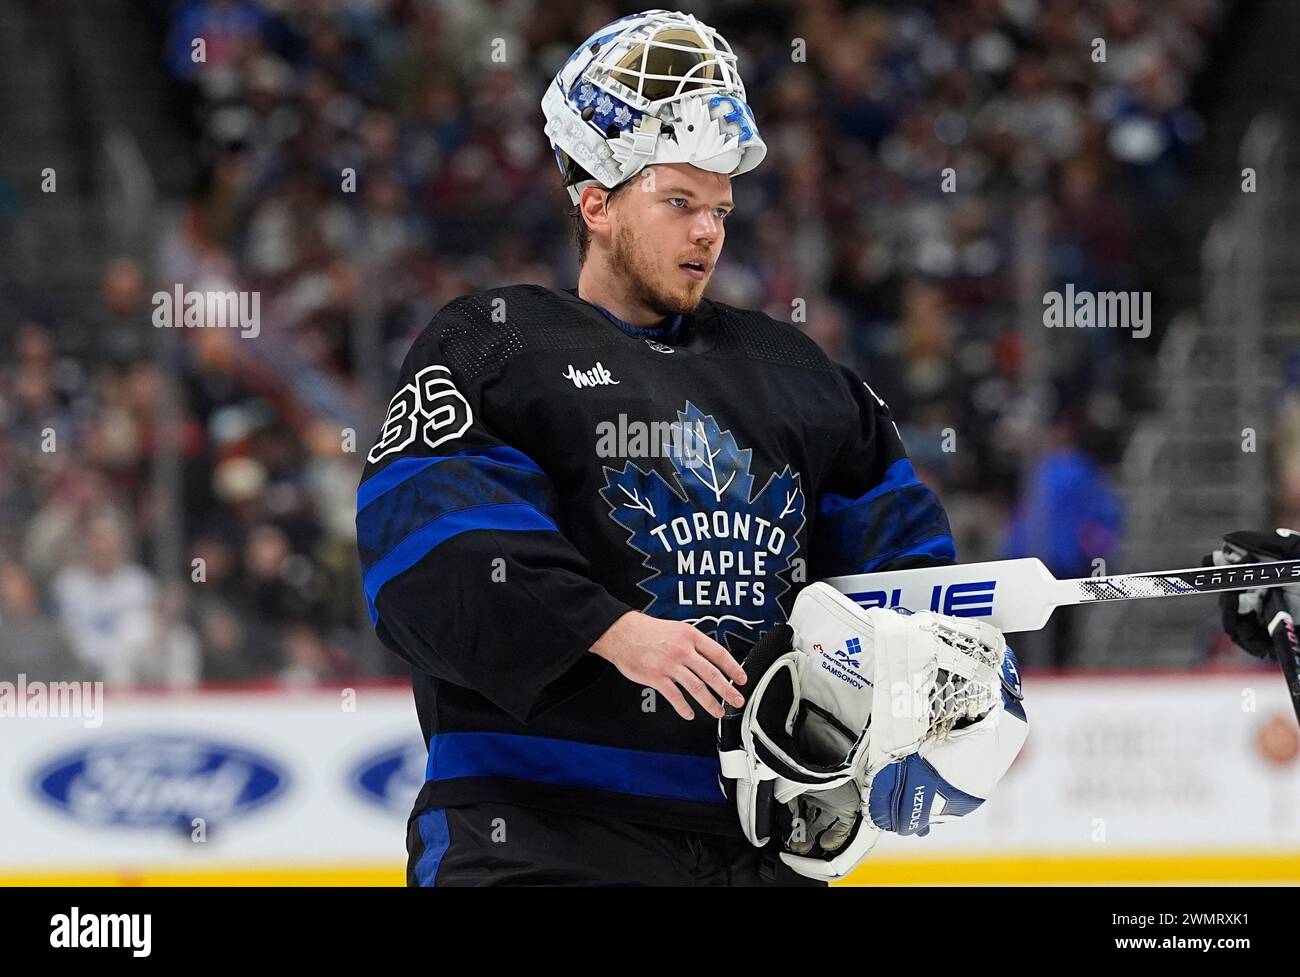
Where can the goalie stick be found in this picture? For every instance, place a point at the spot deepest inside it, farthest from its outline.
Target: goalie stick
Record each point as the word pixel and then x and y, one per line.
pixel 1020 595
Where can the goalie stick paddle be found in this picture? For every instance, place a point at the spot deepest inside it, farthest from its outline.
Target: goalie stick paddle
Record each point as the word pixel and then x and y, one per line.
pixel 1020 595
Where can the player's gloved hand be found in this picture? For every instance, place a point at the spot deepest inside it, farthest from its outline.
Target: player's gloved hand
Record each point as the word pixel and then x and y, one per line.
pixel 1243 610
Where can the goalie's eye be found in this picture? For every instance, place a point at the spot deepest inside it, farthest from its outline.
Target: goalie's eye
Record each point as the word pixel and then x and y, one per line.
pixel 719 212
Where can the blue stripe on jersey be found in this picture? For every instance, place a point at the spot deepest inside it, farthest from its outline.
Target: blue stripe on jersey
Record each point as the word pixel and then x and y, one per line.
pixel 898 475
pixel 402 469
pixel 510 517
pixel 898 518
pixel 414 504
pixel 553 761
pixel 455 483
pixel 436 838
pixel 938 549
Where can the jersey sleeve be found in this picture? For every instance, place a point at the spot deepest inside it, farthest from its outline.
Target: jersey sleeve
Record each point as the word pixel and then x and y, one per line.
pixel 873 513
pixel 466 571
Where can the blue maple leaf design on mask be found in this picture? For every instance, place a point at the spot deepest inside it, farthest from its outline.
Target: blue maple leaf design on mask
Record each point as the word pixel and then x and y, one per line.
pixel 718 552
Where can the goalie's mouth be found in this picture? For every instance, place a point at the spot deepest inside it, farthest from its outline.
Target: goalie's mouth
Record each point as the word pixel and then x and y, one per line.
pixel 696 269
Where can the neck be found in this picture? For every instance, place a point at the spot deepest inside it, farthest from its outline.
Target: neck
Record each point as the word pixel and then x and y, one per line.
pixel 597 286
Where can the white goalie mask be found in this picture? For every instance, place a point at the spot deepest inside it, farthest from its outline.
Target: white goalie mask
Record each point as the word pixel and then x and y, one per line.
pixel 653 87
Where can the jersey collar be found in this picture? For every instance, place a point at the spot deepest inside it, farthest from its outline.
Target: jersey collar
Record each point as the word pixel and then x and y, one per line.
pixel 670 333
pixel 666 334
pixel 694 334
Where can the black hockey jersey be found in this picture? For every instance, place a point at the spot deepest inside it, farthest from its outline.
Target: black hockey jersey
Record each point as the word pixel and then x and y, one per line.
pixel 541 471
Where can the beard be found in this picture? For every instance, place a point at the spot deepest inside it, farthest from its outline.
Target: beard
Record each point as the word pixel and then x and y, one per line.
pixel 630 261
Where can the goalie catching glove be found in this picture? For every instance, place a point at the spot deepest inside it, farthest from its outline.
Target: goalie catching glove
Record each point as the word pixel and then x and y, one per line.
pixel 867 720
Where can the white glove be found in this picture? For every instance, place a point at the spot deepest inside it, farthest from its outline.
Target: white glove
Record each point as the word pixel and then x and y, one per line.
pixel 853 707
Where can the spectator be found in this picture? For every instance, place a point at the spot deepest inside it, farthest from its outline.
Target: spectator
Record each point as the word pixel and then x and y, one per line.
pixel 121 333
pixel 365 163
pixel 1070 517
pixel 106 603
pixel 31 643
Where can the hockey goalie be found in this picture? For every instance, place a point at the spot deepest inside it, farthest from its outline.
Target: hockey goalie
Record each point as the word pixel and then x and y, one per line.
pixel 587 507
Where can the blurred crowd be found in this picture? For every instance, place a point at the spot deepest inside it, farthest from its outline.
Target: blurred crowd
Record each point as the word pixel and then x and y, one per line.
pixel 365 161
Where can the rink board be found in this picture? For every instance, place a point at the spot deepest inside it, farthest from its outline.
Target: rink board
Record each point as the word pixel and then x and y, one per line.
pixel 1128 779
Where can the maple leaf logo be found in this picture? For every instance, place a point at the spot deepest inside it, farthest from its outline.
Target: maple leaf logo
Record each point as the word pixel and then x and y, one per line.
pixel 715 548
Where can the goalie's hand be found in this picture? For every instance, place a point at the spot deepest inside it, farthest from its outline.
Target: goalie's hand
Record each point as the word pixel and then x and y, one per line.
pixel 666 654
pixel 1242 611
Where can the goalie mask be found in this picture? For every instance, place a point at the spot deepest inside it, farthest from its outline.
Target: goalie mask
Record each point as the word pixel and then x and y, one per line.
pixel 863 721
pixel 654 87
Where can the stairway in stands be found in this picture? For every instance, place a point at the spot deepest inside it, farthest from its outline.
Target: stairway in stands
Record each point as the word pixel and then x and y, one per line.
pixel 1186 478
pixel 51 246
pixel 82 91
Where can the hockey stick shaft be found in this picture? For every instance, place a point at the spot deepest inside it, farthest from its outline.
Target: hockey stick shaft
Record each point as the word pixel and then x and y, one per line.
pixel 1286 649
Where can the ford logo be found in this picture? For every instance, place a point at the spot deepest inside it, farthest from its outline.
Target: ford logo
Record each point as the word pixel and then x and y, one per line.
pixel 391 778
pixel 157 781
